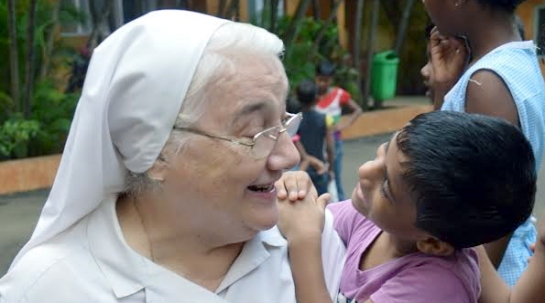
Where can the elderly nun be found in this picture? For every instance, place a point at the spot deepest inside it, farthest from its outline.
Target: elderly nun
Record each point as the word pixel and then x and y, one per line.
pixel 165 189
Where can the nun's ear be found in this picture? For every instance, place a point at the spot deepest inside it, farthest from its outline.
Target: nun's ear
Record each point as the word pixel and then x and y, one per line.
pixel 158 170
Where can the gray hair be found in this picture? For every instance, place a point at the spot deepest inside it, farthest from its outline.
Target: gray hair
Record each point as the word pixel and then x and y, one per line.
pixel 230 38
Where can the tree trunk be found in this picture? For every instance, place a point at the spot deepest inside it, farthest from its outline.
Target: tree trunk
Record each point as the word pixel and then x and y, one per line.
pixel 360 7
pixel 100 23
pixel 315 9
pixel 233 11
pixel 30 61
pixel 50 40
pixel 392 10
pixel 403 24
pixel 265 14
pixel 274 15
pixel 370 49
pixel 322 31
pixel 13 55
pixel 293 28
pixel 221 8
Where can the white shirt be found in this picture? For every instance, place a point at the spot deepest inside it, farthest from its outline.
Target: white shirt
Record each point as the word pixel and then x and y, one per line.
pixel 91 262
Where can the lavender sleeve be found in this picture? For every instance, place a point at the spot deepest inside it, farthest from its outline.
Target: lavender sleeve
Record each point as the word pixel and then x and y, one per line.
pixel 345 216
pixel 427 283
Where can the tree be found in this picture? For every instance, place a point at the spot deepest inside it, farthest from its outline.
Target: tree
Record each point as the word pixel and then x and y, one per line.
pixel 370 47
pixel 274 15
pixel 326 25
pixel 47 51
pixel 13 53
pixel 316 9
pixel 100 13
pixel 357 47
pixel 30 61
pixel 293 29
pixel 392 9
pixel 233 11
pixel 221 8
pixel 403 24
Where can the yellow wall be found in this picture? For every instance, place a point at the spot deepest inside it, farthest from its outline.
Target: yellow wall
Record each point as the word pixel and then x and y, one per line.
pixel 526 13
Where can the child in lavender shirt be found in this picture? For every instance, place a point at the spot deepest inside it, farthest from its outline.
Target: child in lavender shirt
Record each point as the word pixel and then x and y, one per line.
pixel 446 182
pixel 415 277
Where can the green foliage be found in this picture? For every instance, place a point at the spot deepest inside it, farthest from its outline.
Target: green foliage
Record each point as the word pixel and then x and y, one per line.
pixel 15 134
pixel 44 132
pixel 54 110
pixel 305 52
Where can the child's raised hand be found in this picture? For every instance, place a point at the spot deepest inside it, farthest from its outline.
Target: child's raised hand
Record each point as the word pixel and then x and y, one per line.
pixel 295 185
pixel 448 57
pixel 303 219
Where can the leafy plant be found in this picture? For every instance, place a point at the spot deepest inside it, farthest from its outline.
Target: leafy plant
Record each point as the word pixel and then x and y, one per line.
pixel 15 134
pixel 313 44
pixel 45 127
pixel 54 110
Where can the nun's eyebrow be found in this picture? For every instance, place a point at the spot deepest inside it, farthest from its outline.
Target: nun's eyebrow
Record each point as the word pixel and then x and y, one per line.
pixel 251 108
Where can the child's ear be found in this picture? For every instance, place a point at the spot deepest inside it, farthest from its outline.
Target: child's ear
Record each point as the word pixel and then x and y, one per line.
pixel 435 247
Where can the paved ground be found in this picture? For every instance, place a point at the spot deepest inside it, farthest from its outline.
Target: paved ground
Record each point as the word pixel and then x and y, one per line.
pixel 18 213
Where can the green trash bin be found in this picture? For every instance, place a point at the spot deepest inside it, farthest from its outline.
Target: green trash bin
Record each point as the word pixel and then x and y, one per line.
pixel 384 75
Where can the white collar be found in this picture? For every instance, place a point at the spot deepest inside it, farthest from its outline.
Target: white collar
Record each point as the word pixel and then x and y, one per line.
pixel 128 272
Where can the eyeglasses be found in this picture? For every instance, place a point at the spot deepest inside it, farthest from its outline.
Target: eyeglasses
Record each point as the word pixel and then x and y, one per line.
pixel 262 143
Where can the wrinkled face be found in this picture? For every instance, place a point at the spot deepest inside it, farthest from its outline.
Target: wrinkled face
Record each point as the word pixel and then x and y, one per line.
pixel 383 197
pixel 323 83
pixel 228 192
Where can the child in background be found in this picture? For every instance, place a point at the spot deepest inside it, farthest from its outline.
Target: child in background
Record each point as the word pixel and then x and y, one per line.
pixel 498 75
pixel 437 188
pixel 315 134
pixel 293 107
pixel 332 100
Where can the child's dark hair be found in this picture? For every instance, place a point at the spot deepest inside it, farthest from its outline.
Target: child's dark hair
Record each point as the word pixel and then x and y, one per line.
pixel 306 93
pixel 292 105
pixel 473 177
pixel 504 5
pixel 325 68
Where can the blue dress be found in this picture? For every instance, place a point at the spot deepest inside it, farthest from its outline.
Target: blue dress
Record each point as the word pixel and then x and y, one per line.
pixel 517 65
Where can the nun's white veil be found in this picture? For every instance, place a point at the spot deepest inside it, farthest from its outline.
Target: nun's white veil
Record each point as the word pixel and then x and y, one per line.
pixel 134 88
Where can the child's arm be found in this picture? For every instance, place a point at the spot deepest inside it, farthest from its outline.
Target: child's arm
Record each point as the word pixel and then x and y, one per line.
pixel 530 288
pixel 304 163
pixel 488 95
pixel 355 110
pixel 301 222
pixel 319 166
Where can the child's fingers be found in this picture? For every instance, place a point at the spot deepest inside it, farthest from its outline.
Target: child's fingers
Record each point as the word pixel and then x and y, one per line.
pixel 291 182
pixel 304 184
pixel 281 192
pixel 323 200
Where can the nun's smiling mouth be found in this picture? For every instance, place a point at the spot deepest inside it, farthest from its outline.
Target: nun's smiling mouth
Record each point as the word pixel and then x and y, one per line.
pixel 261 188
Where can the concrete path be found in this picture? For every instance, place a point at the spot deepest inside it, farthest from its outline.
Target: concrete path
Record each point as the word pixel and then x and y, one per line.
pixel 18 213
